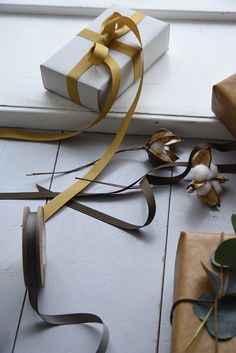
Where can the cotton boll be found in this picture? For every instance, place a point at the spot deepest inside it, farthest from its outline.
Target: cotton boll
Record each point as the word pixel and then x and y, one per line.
pixel 201 172
pixel 216 185
pixel 203 190
pixel 157 147
pixel 214 170
pixel 191 175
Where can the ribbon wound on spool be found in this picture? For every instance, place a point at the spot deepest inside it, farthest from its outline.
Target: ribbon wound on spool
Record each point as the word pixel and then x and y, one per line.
pixel 34 265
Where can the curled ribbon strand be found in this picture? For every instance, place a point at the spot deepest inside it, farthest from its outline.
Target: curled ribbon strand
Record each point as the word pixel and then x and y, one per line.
pixel 116 222
pixel 146 182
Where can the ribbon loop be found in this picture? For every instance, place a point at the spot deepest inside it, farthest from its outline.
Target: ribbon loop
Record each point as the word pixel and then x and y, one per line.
pixel 98 54
pixel 111 28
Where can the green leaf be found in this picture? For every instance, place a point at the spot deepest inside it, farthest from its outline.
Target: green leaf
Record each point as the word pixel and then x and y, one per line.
pixel 233 221
pixel 226 315
pixel 225 254
pixel 230 284
pixel 213 279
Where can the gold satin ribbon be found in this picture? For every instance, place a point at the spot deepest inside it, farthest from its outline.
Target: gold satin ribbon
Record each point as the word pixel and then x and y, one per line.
pixel 79 69
pixel 113 27
pixel 54 205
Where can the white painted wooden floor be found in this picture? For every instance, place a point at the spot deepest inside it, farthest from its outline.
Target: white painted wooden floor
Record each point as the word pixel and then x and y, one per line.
pixel 93 267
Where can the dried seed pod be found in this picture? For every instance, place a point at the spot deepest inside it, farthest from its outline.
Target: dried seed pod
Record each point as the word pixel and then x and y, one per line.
pixel 157 147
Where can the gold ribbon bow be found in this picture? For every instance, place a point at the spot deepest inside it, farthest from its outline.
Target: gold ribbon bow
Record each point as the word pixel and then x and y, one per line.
pixel 113 27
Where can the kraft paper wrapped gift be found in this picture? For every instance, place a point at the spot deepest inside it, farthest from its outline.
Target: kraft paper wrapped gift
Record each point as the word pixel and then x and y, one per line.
pixel 191 282
pixel 224 102
pixel 93 85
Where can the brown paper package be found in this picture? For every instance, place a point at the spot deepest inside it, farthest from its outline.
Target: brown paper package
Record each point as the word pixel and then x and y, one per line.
pixel 191 282
pixel 224 103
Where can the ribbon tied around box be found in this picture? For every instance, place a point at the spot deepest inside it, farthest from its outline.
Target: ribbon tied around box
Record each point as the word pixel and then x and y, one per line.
pixel 112 27
pixel 117 25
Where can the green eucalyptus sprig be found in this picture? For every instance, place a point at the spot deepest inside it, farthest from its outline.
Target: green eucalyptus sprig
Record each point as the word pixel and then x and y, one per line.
pixel 224 292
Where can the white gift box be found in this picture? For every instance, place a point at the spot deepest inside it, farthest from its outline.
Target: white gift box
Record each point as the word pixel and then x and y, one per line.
pixel 94 84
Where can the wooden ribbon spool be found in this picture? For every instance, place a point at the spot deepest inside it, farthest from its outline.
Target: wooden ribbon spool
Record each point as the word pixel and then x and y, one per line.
pixel 34 248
